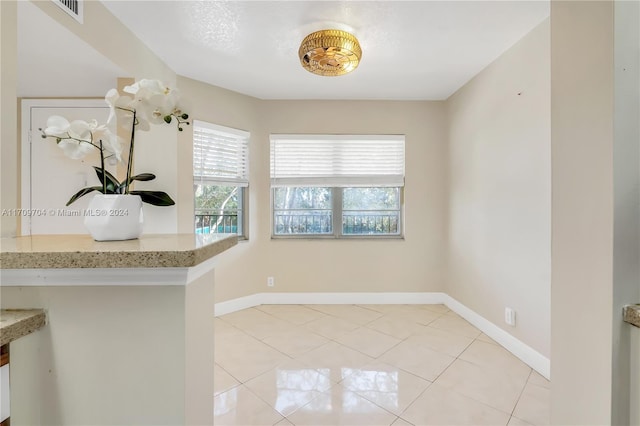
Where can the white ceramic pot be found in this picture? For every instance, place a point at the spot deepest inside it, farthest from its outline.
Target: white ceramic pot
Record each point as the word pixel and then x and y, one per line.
pixel 114 217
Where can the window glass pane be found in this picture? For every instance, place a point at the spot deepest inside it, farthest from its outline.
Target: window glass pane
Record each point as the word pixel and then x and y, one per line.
pixel 371 199
pixel 218 209
pixel 302 210
pixel 302 198
pixel 371 211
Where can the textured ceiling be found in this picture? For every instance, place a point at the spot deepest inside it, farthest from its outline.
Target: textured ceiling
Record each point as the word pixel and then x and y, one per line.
pixel 412 50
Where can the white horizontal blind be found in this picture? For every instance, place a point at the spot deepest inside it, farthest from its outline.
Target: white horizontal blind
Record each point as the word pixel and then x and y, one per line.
pixel 337 160
pixel 220 155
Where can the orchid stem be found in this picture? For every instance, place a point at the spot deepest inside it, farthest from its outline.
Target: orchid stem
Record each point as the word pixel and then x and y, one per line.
pixel 130 162
pixel 104 174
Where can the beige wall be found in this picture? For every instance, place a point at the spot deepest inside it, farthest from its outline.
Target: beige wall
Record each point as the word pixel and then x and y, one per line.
pixel 499 191
pixel 9 113
pixel 582 212
pixel 238 268
pixel 414 264
pixel 626 239
pixel 214 105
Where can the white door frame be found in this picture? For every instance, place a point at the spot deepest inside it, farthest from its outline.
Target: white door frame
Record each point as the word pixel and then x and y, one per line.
pixel 27 105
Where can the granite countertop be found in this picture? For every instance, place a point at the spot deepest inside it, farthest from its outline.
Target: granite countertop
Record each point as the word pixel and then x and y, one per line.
pixel 81 251
pixel 632 314
pixel 15 323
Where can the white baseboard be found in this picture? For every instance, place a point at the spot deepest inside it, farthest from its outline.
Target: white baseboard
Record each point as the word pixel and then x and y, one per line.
pixel 352 298
pixel 257 299
pixel 524 352
pixel 238 304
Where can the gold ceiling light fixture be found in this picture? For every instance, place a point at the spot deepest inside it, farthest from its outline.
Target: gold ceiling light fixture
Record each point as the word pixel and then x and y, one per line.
pixel 330 52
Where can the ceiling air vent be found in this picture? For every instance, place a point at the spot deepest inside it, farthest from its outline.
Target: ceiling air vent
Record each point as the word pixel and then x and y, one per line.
pixel 72 7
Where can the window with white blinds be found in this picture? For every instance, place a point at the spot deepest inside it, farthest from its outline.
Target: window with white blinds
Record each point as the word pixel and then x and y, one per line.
pixel 337 186
pixel 220 155
pixel 337 160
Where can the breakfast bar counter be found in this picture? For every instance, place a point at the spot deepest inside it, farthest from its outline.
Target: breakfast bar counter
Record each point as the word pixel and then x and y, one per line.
pixel 129 328
pixel 81 251
pixel 16 323
pixel 631 314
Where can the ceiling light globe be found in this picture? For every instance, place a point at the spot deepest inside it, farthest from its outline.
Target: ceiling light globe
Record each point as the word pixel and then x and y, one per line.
pixel 330 52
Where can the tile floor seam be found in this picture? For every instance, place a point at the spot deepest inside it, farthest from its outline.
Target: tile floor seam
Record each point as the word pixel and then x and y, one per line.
pixel 408 405
pixel 377 405
pixel 487 368
pixel 476 400
pixel 260 398
pixel 391 335
pixel 369 309
pixel 284 319
pixel 269 403
pixel 450 364
pixel 234 377
pixel 302 406
pixel 364 353
pixel 413 402
pixel 466 396
pixel 345 319
pixel 516 417
pixel 284 353
pixel 526 382
pixel 470 397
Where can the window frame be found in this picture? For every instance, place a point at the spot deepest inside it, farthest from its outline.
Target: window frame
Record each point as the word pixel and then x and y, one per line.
pixel 337 212
pixel 243 212
pixel 242 181
pixel 337 217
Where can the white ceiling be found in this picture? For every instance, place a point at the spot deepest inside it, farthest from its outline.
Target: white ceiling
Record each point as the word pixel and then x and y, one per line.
pixel 412 50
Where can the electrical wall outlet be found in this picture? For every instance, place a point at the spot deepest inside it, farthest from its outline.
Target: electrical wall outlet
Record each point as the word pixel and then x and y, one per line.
pixel 271 281
pixel 510 316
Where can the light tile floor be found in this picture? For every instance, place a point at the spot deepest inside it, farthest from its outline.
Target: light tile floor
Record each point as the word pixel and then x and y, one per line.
pixel 368 365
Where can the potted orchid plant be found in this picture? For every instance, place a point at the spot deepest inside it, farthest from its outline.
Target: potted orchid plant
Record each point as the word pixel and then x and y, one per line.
pixel 151 102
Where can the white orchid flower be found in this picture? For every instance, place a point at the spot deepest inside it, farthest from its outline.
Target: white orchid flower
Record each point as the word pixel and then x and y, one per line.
pixel 146 87
pixel 81 130
pixel 154 109
pixel 121 109
pixel 110 142
pixel 153 100
pixel 117 104
pixel 75 142
pixel 57 127
pixel 75 149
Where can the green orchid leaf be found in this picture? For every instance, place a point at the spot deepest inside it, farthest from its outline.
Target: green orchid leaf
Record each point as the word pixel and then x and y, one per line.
pixel 156 198
pixel 142 177
pixel 83 192
pixel 112 182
